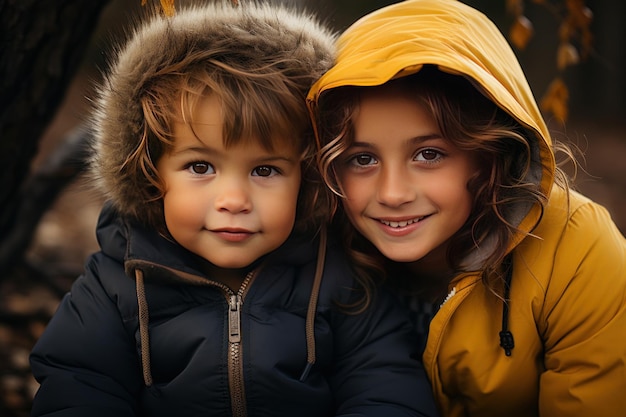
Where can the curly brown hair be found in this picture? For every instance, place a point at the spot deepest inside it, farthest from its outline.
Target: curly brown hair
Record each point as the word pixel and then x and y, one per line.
pixel 504 189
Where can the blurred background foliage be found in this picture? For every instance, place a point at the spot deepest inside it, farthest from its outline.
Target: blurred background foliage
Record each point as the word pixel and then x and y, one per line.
pixel 52 52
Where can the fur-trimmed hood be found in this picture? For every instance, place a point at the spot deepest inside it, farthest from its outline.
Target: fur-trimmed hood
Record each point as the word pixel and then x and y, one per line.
pixel 248 32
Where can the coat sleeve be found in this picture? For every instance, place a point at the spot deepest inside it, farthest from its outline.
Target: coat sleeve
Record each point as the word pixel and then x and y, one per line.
pixel 378 370
pixel 584 320
pixel 86 361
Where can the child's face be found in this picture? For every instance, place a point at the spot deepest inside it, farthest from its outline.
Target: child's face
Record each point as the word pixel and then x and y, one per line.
pixel 230 206
pixel 406 186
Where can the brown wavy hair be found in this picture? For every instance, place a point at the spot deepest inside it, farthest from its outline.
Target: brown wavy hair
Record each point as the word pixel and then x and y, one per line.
pixel 265 103
pixel 504 189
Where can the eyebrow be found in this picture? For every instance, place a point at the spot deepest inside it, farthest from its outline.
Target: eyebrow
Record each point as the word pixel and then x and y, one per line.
pixel 192 149
pixel 269 158
pixel 413 140
pixel 274 158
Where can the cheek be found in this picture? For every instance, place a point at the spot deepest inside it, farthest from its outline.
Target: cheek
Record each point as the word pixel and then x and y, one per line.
pixel 290 202
pixel 356 196
pixel 183 208
pixel 449 189
pixel 353 208
pixel 458 199
pixel 280 207
pixel 472 174
pixel 356 191
pixel 465 205
pixel 347 183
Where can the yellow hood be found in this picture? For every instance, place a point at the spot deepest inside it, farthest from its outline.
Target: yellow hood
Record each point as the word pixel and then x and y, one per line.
pixel 399 39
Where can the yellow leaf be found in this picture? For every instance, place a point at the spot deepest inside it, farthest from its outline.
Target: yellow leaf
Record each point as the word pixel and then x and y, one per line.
pixel 580 13
pixel 566 55
pixel 555 100
pixel 521 32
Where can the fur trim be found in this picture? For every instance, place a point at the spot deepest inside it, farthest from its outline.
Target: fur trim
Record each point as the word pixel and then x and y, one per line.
pixel 252 29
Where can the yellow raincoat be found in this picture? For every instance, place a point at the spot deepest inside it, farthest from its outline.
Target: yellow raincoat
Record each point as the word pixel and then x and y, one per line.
pixel 568 292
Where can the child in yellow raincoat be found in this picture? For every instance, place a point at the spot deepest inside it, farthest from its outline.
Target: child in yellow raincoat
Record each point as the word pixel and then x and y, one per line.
pixel 430 135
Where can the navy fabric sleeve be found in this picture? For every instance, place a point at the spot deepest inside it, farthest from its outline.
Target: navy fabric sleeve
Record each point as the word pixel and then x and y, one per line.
pixel 86 360
pixel 378 370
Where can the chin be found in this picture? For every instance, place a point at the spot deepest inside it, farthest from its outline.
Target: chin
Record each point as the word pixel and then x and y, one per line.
pixel 233 265
pixel 399 256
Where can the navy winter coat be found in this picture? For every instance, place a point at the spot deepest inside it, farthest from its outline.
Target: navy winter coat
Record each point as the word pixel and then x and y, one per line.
pixel 89 360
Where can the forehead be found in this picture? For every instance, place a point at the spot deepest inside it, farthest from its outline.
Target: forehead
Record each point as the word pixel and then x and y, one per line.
pixel 390 112
pixel 209 118
pixel 382 97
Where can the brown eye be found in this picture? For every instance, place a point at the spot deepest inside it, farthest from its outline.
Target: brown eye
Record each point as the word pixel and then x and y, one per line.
pixel 429 156
pixel 201 168
pixel 264 171
pixel 363 159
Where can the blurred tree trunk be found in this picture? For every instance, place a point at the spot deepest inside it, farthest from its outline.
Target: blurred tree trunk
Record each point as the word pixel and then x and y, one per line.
pixel 41 47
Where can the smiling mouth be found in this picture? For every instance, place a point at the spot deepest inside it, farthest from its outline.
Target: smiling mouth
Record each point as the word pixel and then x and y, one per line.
pixel 233 235
pixel 401 223
pixel 232 230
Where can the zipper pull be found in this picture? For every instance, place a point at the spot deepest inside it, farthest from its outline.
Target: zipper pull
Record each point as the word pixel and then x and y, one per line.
pixel 234 319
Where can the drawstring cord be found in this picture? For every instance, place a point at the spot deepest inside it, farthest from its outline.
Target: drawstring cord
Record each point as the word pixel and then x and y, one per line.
pixel 310 314
pixel 506 337
pixel 143 328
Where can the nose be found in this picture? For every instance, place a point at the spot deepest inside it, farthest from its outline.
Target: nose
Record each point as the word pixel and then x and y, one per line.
pixel 395 186
pixel 232 195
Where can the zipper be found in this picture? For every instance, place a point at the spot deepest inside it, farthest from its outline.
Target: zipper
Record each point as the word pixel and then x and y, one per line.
pixel 235 363
pixel 451 294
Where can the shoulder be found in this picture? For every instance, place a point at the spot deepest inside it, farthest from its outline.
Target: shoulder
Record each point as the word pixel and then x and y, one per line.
pixel 572 220
pixel 112 232
pixel 572 275
pixel 576 249
pixel 105 274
